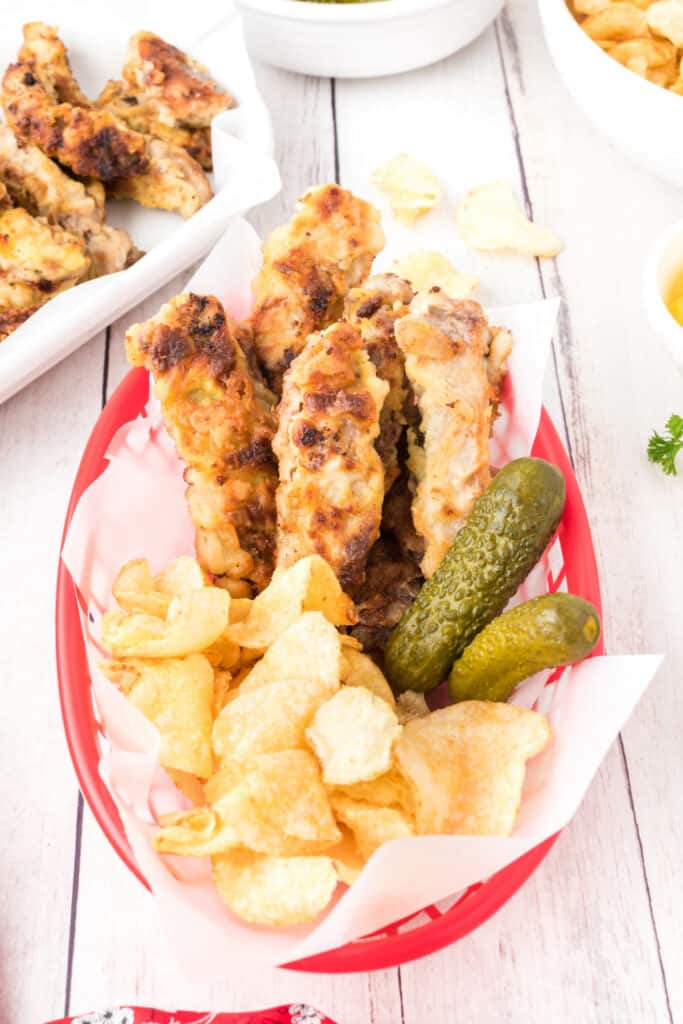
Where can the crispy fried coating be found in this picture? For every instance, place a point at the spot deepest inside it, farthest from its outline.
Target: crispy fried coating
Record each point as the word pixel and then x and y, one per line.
pixel 141 113
pixel 309 265
pixel 173 181
pixel 181 88
pixel 220 416
pixel 374 307
pixel 90 142
pixel 37 260
pixel 329 500
pixel 46 53
pixel 456 365
pixel 10 319
pixel 41 187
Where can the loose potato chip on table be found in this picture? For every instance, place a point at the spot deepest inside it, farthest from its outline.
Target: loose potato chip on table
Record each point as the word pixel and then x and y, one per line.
pixel 276 891
pixel 308 585
pixel 466 764
pixel 353 734
pixel 411 186
pixel 490 218
pixel 194 620
pixel 425 270
pixel 176 695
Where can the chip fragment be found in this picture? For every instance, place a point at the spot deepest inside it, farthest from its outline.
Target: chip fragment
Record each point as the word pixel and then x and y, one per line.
pixel 276 891
pixel 466 764
pixel 371 826
pixel 353 734
pixel 490 218
pixel 410 185
pixel 194 620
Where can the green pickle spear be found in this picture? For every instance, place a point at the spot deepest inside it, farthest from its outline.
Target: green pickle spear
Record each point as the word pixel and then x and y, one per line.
pixel 506 533
pixel 556 629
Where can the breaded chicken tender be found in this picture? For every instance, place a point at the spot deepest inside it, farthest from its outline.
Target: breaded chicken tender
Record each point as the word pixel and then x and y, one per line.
pixel 456 365
pixel 41 187
pixel 90 142
pixel 220 416
pixel 45 51
pixel 37 260
pixel 181 88
pixel 329 500
pixel 10 319
pixel 309 266
pixel 142 114
pixel 172 181
pixel 374 307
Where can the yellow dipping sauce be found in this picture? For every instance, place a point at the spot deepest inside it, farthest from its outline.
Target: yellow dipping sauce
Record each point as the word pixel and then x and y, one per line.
pixel 674 297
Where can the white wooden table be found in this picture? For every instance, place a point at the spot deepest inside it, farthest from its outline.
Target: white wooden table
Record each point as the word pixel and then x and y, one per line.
pixel 597 934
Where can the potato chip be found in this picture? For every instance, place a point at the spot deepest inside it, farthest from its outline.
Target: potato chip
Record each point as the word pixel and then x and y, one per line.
pixel 411 705
pixel 360 670
pixel 371 826
pixel 176 695
pixel 271 718
pixel 490 218
pixel 222 682
pixel 353 734
pixel 388 790
pixel 410 185
pixel 137 590
pixel 425 270
pixel 276 891
pixel 665 17
pixel 590 6
pixel 189 785
pixel 308 649
pixel 466 764
pixel 347 861
pixel 224 653
pixel 616 22
pixel 195 619
pixel 307 586
pixel 655 52
pixel 277 805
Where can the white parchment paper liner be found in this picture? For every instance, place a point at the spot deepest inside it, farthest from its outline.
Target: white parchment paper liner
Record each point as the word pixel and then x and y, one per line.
pixel 244 175
pixel 137 508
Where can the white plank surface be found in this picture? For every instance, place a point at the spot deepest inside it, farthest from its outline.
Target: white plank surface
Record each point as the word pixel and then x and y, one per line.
pixel 596 934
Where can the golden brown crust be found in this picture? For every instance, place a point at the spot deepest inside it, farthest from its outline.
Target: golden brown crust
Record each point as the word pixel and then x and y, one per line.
pixel 455 363
pixel 172 181
pixel 309 265
pixel 45 52
pixel 374 308
pixel 180 86
pixel 329 500
pixel 10 319
pixel 142 114
pixel 90 142
pixel 221 419
pixel 37 259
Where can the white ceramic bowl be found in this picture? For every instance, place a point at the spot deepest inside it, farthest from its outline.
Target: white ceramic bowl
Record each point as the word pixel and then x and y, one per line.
pixel 642 119
pixel 361 40
pixel 663 262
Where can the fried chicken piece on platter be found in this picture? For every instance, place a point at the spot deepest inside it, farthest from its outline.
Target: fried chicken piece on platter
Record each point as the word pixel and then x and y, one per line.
pixel 45 51
pixel 329 500
pixel 374 307
pixel 90 142
pixel 142 114
pixel 309 266
pixel 455 363
pixel 10 319
pixel 180 88
pixel 41 187
pixel 220 416
pixel 172 181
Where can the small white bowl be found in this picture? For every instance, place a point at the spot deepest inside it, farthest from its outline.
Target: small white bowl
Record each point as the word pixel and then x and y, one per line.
pixel 642 119
pixel 663 262
pixel 361 40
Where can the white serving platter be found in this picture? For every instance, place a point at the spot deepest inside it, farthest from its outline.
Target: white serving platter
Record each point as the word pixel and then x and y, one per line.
pixel 244 172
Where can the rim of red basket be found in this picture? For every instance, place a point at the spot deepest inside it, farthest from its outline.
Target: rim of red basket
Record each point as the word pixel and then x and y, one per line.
pixel 81 727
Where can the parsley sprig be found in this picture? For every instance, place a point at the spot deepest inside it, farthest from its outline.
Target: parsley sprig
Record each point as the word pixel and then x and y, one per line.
pixel 664 448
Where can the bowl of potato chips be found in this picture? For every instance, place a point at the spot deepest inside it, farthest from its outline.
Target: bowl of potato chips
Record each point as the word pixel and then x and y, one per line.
pixel 621 61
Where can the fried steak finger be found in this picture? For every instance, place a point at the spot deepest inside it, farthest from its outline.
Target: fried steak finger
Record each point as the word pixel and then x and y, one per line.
pixel 309 265
pixel 220 416
pixel 456 365
pixel 374 307
pixel 172 181
pixel 329 500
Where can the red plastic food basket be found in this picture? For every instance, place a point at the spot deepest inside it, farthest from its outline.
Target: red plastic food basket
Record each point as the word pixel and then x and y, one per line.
pixel 423 933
